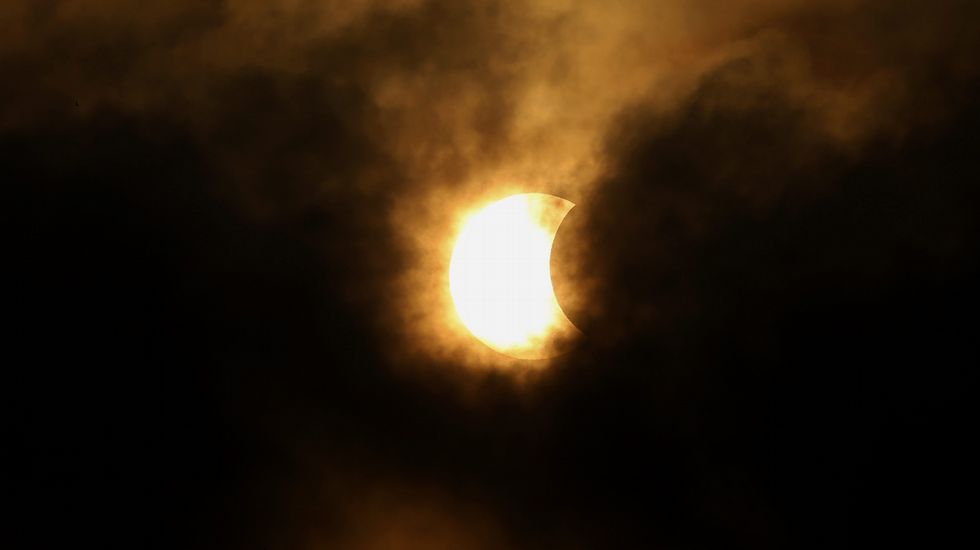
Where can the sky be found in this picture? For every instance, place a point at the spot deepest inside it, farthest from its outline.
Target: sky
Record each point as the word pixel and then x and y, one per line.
pixel 229 228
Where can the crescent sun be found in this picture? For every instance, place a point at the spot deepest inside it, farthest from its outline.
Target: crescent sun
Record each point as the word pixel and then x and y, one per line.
pixel 500 276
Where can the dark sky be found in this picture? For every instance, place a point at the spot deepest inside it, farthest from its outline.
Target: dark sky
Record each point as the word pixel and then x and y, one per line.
pixel 227 233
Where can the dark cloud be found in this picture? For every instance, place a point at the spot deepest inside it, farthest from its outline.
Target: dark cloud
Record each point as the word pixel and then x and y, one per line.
pixel 227 307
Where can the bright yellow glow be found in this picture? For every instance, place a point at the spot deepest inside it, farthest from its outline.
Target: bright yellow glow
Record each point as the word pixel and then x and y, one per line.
pixel 500 274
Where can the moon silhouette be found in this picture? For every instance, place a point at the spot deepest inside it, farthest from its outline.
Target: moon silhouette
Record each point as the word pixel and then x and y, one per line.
pixel 500 277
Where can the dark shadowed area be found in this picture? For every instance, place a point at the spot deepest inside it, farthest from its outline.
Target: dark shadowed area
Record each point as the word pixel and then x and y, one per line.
pixel 225 221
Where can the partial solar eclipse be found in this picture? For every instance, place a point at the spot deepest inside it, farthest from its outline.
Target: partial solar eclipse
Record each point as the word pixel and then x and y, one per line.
pixel 500 277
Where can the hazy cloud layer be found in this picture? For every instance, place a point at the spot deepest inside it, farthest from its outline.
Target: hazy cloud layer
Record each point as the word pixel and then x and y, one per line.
pixel 231 223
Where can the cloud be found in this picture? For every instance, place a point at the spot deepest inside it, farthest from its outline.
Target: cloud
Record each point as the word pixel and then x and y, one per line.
pixel 228 265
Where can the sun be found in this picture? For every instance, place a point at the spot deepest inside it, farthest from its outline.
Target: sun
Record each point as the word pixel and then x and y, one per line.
pixel 500 275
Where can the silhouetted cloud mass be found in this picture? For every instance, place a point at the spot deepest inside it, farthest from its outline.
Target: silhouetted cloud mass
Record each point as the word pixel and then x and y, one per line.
pixel 228 226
